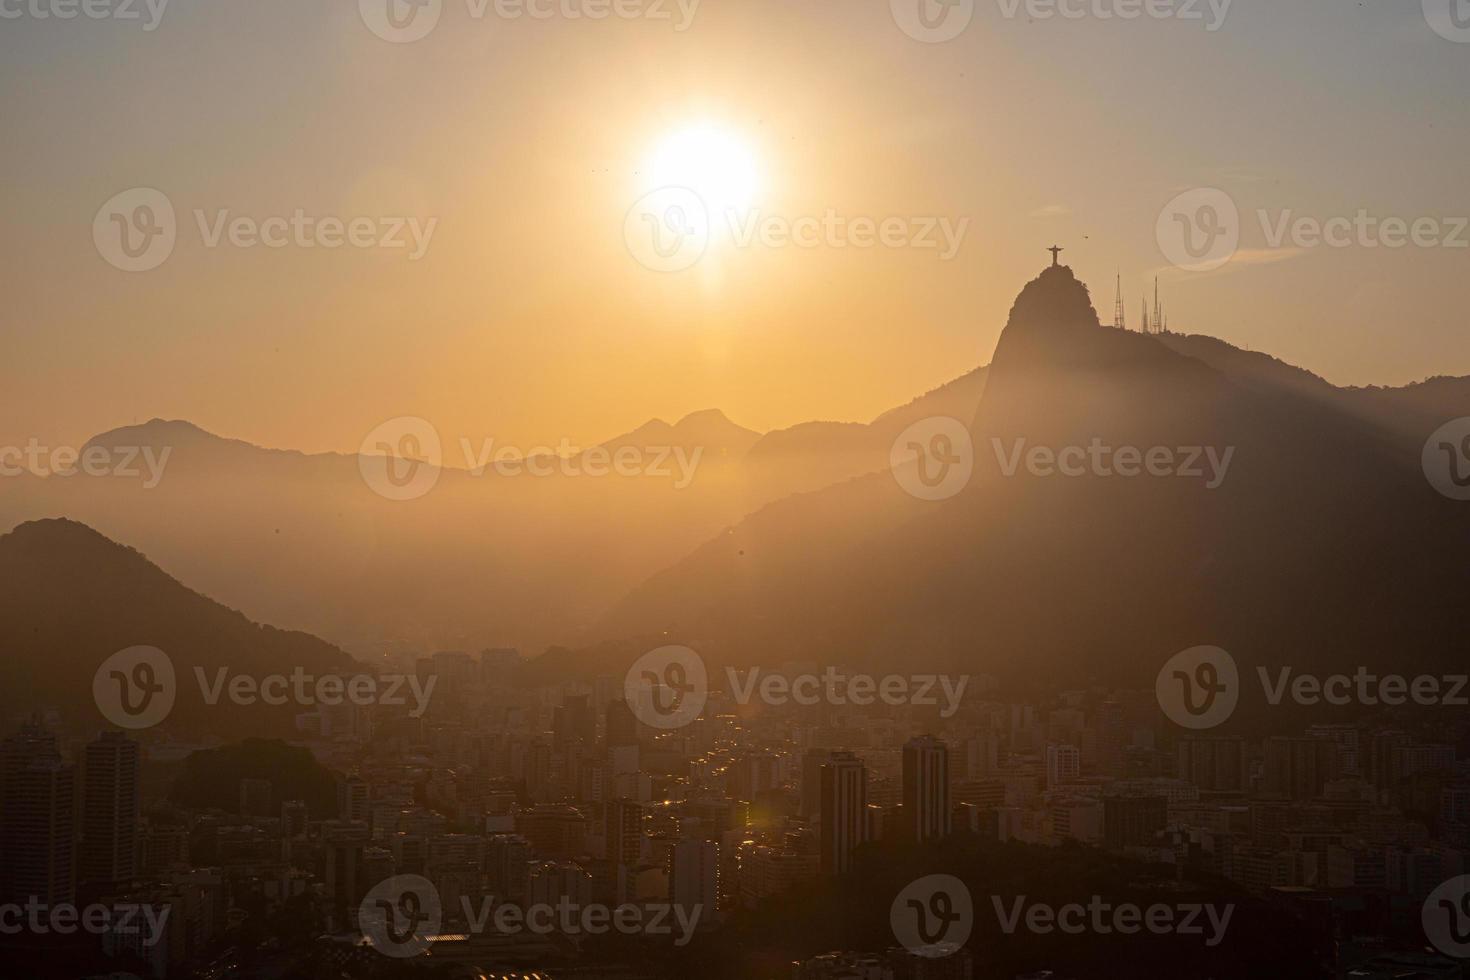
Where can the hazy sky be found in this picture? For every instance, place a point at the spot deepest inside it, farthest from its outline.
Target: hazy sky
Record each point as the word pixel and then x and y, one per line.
pixel 528 318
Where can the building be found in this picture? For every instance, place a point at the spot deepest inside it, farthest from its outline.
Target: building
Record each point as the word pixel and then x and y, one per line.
pixel 623 823
pixel 694 878
pixel 110 802
pixel 1214 764
pixel 354 800
pixel 844 811
pixel 926 811
pixel 1132 821
pixel 1298 768
pixel 37 819
pixel 1063 765
pixel 812 761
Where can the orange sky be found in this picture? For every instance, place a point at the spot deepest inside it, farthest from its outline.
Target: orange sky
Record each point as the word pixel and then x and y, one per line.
pixel 527 319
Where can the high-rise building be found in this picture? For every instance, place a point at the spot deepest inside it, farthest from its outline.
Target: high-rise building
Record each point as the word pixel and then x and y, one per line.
pixel 844 810
pixel 555 882
pixel 574 721
pixel 110 800
pixel 756 773
pixel 1132 820
pixel 37 819
pixel 926 789
pixel 354 800
pixel 812 762
pixel 1063 765
pixel 1214 764
pixel 623 823
pixel 1298 768
pixel 694 877
pixel 622 724
pixel 507 866
pixel 295 818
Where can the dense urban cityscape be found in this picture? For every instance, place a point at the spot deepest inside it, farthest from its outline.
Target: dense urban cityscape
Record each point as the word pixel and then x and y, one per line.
pixel 503 798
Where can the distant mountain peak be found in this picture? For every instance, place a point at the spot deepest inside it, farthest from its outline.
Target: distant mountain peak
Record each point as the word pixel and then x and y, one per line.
pixel 705 416
pixel 56 529
pixel 156 431
pixel 1056 299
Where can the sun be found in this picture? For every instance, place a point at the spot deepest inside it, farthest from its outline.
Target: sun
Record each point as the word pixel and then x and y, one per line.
pixel 714 162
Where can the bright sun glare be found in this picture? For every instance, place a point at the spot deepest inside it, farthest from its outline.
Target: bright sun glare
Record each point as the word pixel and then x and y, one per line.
pixel 711 161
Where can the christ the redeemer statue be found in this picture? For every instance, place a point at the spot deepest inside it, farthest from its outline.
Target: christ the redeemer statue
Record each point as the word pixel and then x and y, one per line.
pixel 1055 252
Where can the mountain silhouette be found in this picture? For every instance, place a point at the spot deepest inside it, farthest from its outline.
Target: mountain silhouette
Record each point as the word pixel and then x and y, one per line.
pixel 483 559
pixel 73 598
pixel 1324 544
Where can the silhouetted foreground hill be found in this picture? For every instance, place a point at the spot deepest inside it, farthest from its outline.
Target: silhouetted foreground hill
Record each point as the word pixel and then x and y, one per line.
pixel 1322 545
pixel 72 598
pixel 211 777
